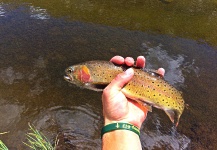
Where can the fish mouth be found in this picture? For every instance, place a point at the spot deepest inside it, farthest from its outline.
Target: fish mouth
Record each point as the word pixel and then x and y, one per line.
pixel 68 78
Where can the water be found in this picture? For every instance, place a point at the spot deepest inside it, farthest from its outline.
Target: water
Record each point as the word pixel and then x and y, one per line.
pixel 39 40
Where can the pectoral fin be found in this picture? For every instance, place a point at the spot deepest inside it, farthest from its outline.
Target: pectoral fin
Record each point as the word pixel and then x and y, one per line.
pixel 149 107
pixel 95 87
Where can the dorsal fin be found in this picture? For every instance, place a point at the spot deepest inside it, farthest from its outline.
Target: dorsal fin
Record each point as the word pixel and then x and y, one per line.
pixel 153 72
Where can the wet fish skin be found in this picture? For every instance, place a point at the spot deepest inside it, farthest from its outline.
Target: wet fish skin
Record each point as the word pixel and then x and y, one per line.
pixel 144 87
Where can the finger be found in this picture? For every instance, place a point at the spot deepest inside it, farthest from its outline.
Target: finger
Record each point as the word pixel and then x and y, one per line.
pixel 140 62
pixel 161 71
pixel 117 60
pixel 118 82
pixel 129 61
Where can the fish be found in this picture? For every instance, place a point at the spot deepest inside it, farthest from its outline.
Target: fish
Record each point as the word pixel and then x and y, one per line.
pixel 146 87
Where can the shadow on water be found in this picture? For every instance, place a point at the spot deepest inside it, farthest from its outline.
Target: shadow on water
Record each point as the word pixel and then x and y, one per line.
pixel 35 49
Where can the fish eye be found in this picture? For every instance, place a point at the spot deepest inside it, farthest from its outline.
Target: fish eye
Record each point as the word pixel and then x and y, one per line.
pixel 70 70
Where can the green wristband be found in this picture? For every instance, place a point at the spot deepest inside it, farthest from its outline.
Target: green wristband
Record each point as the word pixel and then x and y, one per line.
pixel 120 126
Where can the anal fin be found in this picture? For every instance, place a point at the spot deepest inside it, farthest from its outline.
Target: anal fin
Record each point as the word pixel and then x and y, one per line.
pixel 173 116
pixel 170 114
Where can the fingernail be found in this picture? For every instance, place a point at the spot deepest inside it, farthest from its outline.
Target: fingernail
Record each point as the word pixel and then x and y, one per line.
pixel 128 72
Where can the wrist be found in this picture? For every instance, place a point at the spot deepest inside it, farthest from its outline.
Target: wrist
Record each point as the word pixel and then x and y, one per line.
pixel 120 126
pixel 119 139
pixel 120 133
pixel 135 123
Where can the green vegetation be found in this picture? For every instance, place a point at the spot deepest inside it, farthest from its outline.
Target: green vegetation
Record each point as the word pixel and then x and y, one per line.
pixel 36 140
pixel 3 146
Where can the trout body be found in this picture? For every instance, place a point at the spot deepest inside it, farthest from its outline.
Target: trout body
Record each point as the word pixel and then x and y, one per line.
pixel 146 87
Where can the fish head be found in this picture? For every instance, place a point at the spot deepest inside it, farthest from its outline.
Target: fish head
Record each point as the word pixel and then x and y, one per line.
pixel 77 74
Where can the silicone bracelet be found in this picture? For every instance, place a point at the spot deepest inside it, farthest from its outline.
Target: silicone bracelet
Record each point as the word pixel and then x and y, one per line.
pixel 119 126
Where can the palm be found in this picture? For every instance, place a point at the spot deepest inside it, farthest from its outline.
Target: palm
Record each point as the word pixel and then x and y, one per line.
pixel 120 108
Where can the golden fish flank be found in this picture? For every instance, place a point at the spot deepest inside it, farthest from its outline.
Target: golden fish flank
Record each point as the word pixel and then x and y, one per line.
pixel 144 87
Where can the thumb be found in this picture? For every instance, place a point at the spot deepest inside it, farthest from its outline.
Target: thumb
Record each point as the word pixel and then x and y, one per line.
pixel 119 81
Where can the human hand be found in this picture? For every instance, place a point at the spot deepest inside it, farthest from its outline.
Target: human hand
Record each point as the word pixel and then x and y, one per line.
pixel 116 106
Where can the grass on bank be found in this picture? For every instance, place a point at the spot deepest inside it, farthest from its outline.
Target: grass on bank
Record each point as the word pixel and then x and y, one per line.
pixel 35 140
pixel 3 146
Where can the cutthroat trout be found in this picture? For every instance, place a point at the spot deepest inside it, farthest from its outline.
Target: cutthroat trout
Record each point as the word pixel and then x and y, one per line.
pixel 146 86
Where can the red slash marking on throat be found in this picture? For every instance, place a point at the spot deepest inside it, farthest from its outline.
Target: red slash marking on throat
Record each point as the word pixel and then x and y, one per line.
pixel 85 75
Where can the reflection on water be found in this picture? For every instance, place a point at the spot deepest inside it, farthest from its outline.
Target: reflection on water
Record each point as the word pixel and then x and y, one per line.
pixel 8 75
pixel 2 11
pixel 174 65
pixel 38 13
pixel 9 117
pixel 151 140
pixel 35 49
pixel 75 127
pixel 80 127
